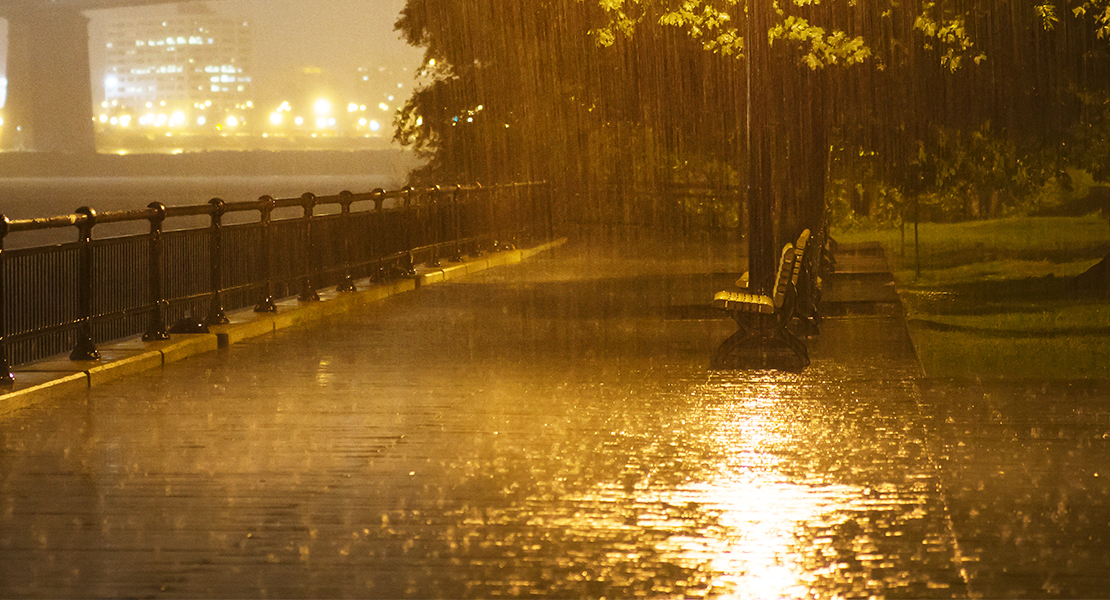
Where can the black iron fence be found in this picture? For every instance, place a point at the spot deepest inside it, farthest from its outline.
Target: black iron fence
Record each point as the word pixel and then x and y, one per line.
pixel 223 256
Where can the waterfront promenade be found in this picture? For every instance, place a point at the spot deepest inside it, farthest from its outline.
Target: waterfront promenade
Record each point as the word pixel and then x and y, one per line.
pixel 548 428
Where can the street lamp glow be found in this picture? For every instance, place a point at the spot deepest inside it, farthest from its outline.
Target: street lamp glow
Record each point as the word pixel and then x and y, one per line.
pixel 322 107
pixel 352 107
pixel 232 121
pixel 321 123
pixel 125 120
pixel 276 118
pixel 298 121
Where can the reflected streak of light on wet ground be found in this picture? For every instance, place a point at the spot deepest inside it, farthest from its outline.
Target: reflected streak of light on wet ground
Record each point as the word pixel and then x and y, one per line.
pixel 531 432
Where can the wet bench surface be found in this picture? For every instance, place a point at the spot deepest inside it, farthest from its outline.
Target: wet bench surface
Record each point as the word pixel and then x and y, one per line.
pixel 552 429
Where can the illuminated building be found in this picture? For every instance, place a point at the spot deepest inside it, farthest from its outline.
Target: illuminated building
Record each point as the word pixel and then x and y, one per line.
pixel 186 60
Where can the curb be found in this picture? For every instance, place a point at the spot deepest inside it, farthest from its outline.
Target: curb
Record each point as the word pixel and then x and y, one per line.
pixel 56 376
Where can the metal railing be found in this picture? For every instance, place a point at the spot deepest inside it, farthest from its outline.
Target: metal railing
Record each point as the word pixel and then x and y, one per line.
pixel 69 296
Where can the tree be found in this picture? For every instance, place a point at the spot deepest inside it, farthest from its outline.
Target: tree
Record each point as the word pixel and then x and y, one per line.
pixel 889 77
pixel 601 91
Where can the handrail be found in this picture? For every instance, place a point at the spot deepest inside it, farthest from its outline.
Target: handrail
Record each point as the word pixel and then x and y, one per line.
pixel 94 288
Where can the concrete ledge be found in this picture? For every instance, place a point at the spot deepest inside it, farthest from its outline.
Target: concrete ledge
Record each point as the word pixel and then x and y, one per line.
pixel 242 328
pixel 112 364
pixel 56 376
pixel 31 388
pixel 176 348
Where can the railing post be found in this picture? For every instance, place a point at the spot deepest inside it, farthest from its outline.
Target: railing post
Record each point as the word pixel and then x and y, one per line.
pixel 476 232
pixel 550 210
pixel 6 376
pixel 436 226
pixel 156 329
pixel 216 314
pixel 308 290
pixel 456 223
pixel 376 234
pixel 85 348
pixel 265 208
pixel 406 228
pixel 347 284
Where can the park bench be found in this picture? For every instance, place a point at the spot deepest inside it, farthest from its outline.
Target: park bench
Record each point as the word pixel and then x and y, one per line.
pixel 763 338
pixel 810 286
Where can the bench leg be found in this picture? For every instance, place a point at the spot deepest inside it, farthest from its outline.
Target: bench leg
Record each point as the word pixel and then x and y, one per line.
pixel 760 342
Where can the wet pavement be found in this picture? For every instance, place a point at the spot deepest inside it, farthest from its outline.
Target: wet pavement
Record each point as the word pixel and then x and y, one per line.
pixel 552 429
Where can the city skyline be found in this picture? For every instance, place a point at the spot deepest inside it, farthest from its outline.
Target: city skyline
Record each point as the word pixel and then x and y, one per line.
pixel 289 36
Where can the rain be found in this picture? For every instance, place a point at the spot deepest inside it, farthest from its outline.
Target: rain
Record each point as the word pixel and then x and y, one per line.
pixel 560 298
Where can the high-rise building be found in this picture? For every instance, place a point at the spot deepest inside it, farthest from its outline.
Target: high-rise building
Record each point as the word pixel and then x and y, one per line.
pixel 191 59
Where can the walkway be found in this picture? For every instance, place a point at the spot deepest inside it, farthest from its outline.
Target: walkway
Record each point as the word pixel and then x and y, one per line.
pixel 550 429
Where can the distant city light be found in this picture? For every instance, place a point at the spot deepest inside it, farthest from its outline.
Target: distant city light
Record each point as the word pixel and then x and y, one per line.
pixel 158 75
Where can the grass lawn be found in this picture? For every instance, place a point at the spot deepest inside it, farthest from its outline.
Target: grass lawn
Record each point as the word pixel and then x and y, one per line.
pixel 993 299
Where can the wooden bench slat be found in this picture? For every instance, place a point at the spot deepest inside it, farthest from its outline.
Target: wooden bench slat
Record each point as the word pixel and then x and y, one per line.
pixel 790 267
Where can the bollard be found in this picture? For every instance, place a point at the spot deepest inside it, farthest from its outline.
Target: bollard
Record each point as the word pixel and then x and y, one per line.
pixel 216 314
pixel 85 348
pixel 156 329
pixel 308 290
pixel 6 376
pixel 346 284
pixel 266 304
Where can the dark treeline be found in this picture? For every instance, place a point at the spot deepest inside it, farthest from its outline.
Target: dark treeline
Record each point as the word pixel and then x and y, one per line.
pixel 966 105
